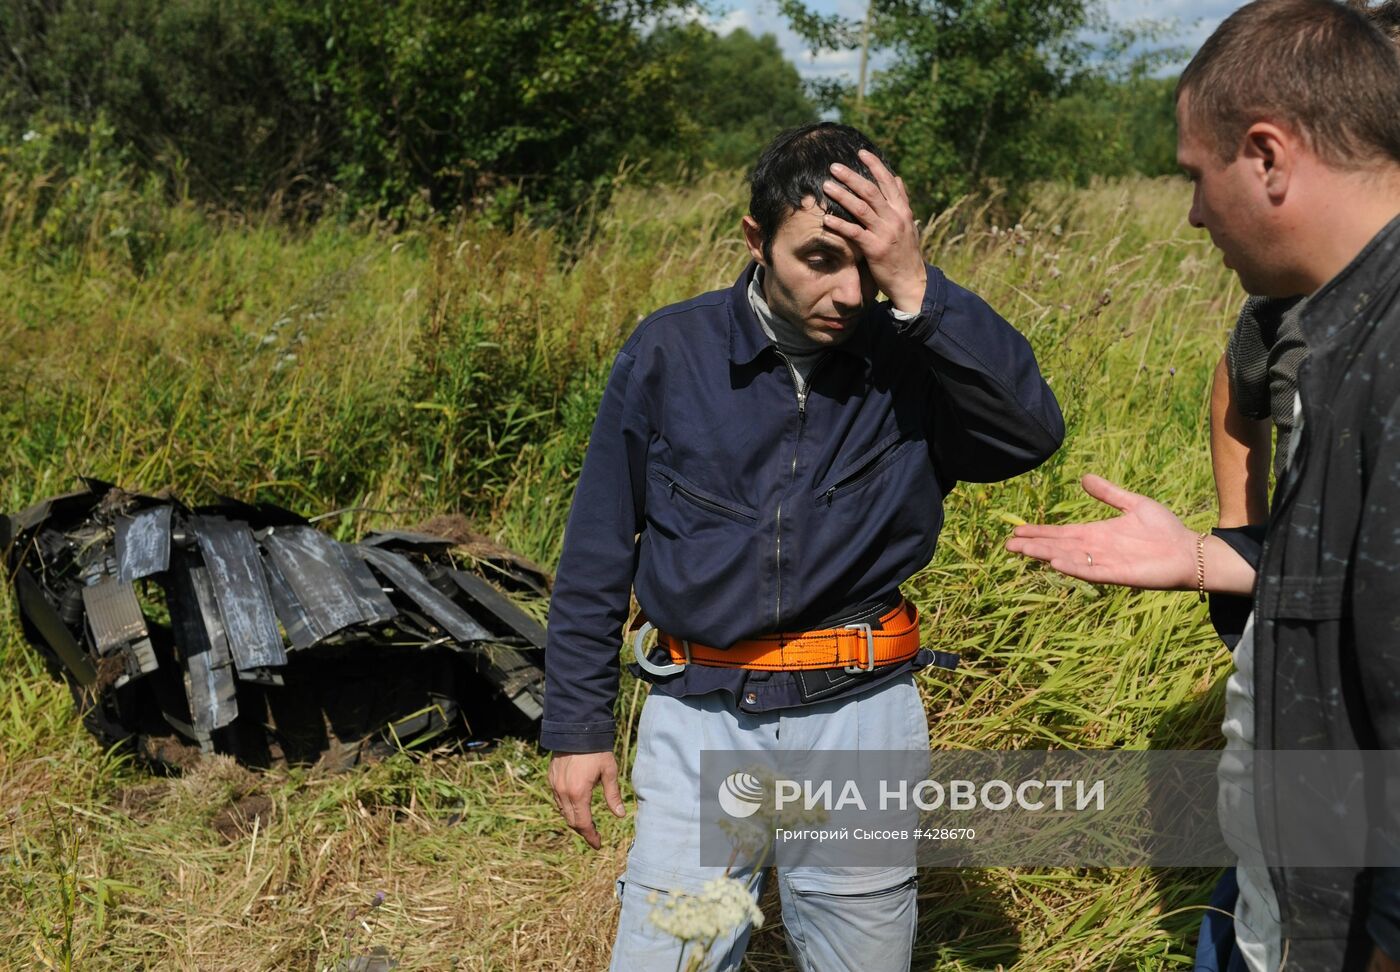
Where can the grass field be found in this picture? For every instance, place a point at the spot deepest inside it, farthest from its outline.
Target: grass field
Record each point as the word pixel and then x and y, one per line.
pixel 456 368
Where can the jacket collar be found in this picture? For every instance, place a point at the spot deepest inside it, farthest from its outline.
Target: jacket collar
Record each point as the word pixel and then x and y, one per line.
pixel 1338 304
pixel 747 340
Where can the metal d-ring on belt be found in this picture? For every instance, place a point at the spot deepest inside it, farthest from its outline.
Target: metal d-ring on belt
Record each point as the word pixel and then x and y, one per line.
pixel 853 647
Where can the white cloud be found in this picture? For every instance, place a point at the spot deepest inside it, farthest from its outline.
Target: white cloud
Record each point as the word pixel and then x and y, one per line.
pixel 761 17
pixel 732 21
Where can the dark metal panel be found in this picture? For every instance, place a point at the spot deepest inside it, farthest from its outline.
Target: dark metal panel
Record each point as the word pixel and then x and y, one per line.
pixel 289 610
pixel 68 505
pixel 209 673
pixel 143 543
pixel 199 636
pixel 256 516
pixel 240 586
pixel 374 603
pixel 31 516
pixel 524 573
pixel 516 677
pixel 402 574
pixel 307 560
pixel 498 606
pixel 44 617
pixel 113 614
pixel 405 540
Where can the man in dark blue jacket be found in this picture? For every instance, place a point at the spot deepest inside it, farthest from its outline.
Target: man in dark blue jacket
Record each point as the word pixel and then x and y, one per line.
pixel 767 467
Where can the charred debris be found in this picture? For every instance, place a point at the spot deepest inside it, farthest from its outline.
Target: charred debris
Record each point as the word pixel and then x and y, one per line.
pixel 244 629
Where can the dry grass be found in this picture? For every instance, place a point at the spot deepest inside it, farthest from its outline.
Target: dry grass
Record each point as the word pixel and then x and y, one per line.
pixel 456 369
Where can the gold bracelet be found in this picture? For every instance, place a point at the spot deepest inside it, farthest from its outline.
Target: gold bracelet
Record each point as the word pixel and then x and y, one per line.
pixel 1201 565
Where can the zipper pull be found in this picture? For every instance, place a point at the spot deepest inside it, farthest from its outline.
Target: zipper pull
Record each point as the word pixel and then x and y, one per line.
pixel 831 490
pixel 671 489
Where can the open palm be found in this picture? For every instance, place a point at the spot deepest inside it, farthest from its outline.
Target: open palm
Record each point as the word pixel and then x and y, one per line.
pixel 1146 546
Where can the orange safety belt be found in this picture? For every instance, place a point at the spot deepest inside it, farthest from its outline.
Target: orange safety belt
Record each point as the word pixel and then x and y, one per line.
pixel 855 647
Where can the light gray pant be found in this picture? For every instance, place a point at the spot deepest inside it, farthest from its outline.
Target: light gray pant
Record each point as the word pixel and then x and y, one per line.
pixel 835 918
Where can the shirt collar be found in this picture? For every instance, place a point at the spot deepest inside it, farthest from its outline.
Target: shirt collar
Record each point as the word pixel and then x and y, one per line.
pixel 747 340
pixel 1340 301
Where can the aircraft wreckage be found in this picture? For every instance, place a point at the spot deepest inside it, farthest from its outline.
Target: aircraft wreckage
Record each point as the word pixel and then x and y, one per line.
pixel 246 630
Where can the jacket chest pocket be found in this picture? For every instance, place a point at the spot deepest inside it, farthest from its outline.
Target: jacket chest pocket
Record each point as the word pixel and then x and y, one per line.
pixel 687 500
pixel 871 468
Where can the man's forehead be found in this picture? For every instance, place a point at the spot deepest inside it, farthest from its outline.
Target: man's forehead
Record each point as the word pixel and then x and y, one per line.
pixel 803 228
pixel 1192 151
pixel 1185 136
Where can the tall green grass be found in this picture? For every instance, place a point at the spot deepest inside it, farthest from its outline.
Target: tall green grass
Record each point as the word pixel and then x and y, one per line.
pixel 456 367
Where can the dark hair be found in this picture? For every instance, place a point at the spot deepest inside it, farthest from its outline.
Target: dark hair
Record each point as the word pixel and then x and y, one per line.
pixel 794 166
pixel 1321 68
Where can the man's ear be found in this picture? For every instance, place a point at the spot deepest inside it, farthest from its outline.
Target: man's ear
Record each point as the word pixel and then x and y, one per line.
pixel 753 238
pixel 1272 155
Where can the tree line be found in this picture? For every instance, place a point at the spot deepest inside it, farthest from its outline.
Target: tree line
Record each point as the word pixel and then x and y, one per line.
pixel 534 107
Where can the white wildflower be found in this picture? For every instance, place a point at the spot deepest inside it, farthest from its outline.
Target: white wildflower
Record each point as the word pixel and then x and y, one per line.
pixel 723 905
pixel 30 135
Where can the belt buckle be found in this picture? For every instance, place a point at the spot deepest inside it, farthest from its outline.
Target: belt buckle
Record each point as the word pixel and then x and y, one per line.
pixel 648 665
pixel 869 665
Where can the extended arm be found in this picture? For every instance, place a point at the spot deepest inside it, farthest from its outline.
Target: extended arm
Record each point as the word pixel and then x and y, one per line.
pixel 1146 547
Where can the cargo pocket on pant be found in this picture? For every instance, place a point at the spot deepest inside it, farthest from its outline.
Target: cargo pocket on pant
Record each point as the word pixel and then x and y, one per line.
pixel 644 946
pixel 851 924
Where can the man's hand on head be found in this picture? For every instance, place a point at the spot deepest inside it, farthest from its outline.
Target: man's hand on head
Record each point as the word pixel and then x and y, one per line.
pixel 884 234
pixel 572 777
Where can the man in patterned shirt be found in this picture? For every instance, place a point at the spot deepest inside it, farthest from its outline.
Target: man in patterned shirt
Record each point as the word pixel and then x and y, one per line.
pixel 1297 179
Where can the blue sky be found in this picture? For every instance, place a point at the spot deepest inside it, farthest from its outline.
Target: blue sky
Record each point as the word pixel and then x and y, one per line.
pixel 1197 18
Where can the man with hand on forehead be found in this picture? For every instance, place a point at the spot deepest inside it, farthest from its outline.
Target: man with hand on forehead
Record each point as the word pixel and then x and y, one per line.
pixel 767 466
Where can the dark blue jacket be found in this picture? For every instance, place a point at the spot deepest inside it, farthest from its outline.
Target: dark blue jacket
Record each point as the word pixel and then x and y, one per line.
pixel 734 512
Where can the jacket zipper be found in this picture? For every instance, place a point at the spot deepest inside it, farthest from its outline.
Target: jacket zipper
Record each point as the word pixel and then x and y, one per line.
pixel 707 503
pixel 792 474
